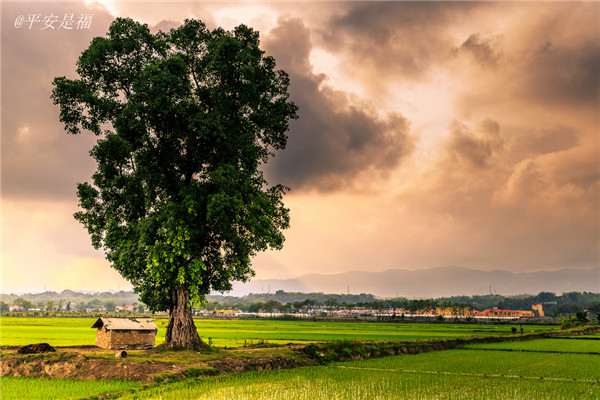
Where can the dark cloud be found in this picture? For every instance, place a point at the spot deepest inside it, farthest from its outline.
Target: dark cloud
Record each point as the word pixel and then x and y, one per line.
pixel 469 150
pixel 561 60
pixel 485 50
pixel 334 140
pixel 565 73
pixel 39 160
pixel 543 141
pixel 548 56
pixel 399 40
pixel 544 90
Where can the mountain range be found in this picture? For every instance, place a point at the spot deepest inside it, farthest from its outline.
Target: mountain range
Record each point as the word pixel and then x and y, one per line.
pixel 412 284
pixel 431 283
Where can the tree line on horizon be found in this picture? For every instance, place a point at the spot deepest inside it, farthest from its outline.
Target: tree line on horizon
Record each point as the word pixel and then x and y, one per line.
pixel 288 302
pixel 553 304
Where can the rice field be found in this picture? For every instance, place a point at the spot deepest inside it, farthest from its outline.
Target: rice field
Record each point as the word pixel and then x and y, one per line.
pixel 452 374
pixel 553 368
pixel 20 331
pixel 563 345
pixel 42 389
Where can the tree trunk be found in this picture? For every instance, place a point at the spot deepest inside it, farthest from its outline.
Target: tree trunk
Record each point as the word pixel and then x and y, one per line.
pixel 181 331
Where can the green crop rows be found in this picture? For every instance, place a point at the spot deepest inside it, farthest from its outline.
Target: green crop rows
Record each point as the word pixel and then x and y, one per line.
pixel 562 345
pixel 37 388
pixel 18 331
pixel 452 374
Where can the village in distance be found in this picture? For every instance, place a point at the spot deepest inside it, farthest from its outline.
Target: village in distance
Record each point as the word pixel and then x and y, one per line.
pixel 545 307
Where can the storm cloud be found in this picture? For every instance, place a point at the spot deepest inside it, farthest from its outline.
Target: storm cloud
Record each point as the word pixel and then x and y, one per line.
pixel 335 141
pixel 39 160
pixel 429 133
pixel 484 49
pixel 402 41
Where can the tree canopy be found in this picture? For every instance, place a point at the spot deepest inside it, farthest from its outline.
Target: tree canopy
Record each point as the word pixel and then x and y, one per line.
pixel 185 120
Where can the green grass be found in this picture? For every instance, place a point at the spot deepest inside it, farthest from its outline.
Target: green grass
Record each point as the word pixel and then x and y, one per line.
pixel 37 388
pixel 453 374
pixel 19 331
pixel 546 365
pixel 595 336
pixel 552 345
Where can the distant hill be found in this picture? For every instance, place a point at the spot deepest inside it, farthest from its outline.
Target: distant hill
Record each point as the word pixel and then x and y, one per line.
pixel 432 283
pixel 119 298
pixel 428 283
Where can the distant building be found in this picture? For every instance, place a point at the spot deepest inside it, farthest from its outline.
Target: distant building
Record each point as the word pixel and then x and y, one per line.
pixel 229 313
pixel 500 313
pixel 539 308
pixel 125 333
pixel 497 312
pixel 453 311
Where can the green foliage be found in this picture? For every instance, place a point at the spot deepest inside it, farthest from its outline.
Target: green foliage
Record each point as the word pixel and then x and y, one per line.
pixel 166 377
pixel 579 319
pixel 568 322
pixel 267 307
pixel 582 317
pixel 185 118
pixel 91 300
pixel 289 302
pixel 344 350
pixel 36 388
pixel 24 304
pixel 110 306
pixel 553 304
pixel 195 372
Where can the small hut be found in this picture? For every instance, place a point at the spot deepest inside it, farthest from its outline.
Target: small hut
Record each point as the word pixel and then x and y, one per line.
pixel 125 333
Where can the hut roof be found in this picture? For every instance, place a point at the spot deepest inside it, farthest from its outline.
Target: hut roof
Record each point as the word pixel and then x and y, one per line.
pixel 132 324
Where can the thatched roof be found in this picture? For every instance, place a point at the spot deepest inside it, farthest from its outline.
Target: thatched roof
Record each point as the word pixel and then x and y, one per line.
pixel 130 324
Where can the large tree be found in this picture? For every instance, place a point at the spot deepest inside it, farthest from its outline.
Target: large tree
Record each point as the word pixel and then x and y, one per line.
pixel 185 119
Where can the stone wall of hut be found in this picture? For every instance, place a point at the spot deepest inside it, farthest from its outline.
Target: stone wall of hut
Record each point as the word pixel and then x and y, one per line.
pixel 123 339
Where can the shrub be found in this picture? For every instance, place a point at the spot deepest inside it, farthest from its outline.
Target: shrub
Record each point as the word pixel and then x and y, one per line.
pixel 195 372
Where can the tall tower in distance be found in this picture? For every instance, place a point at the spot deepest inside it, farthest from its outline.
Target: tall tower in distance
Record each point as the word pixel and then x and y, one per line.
pixel 538 308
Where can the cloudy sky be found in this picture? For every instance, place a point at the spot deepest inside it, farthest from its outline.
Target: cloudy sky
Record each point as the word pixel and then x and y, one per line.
pixel 430 134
